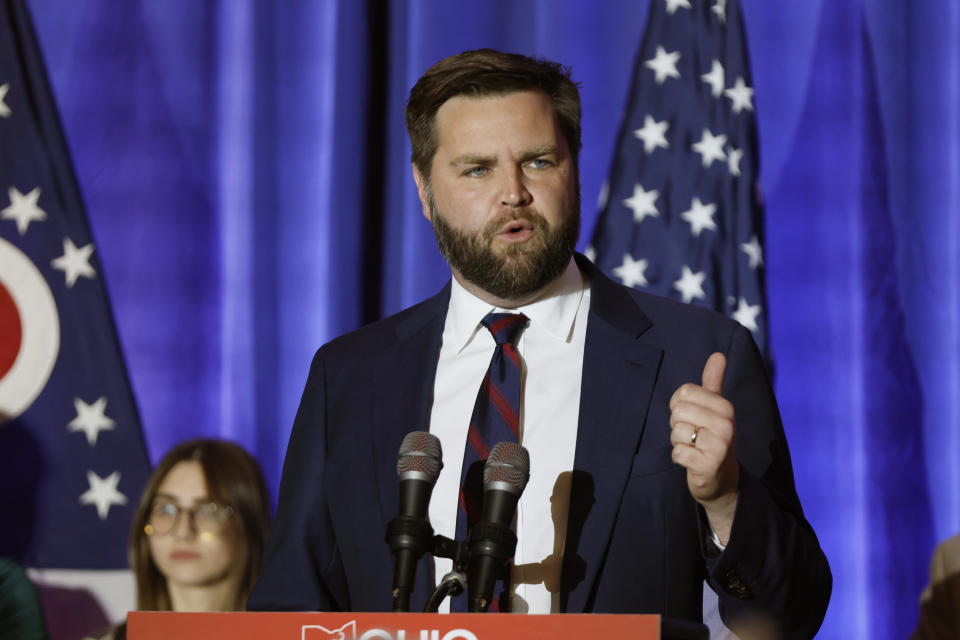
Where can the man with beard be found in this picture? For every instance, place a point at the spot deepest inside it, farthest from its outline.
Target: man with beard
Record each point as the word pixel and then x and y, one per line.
pixel 658 459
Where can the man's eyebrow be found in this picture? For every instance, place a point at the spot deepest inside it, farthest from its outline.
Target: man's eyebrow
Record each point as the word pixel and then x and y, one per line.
pixel 529 154
pixel 469 158
pixel 542 150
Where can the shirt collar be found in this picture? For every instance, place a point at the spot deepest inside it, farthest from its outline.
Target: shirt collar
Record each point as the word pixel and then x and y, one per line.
pixel 553 312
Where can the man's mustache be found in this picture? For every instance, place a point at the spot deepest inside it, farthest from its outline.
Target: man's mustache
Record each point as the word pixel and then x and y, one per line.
pixel 528 214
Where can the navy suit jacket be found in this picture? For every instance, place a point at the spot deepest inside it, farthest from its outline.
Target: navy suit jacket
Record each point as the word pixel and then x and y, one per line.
pixel 636 540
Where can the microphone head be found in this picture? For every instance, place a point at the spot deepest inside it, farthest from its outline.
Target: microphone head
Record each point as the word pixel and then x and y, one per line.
pixel 507 468
pixel 420 457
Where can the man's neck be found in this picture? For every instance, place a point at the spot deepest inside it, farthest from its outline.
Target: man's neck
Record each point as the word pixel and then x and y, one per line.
pixel 509 303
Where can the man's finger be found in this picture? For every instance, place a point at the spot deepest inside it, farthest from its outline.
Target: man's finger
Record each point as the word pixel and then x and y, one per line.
pixel 713 372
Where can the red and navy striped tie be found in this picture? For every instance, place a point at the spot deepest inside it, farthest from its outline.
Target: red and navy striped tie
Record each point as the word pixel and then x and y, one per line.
pixel 496 415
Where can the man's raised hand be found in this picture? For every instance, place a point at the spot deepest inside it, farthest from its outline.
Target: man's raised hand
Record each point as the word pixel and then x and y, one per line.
pixel 703 435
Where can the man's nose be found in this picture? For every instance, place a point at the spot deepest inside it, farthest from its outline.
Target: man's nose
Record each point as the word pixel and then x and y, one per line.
pixel 513 187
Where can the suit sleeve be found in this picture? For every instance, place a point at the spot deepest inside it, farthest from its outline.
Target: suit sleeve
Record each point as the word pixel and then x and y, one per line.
pixel 301 569
pixel 773 568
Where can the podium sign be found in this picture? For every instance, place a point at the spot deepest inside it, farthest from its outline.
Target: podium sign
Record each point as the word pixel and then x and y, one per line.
pixel 154 625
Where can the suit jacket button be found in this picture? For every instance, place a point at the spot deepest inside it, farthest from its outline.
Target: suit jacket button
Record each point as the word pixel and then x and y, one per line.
pixel 736 586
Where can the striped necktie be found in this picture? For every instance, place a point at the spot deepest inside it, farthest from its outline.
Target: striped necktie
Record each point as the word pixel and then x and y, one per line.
pixel 496 415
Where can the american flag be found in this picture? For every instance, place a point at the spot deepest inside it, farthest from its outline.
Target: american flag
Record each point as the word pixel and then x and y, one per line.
pixel 72 458
pixel 681 216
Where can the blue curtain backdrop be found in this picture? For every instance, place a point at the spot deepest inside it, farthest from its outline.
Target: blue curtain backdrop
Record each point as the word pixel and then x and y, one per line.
pixel 246 172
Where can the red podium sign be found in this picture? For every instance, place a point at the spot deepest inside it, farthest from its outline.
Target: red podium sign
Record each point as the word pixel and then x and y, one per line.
pixel 152 625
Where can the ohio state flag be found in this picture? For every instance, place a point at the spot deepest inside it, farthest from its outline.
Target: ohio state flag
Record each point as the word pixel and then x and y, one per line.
pixel 72 459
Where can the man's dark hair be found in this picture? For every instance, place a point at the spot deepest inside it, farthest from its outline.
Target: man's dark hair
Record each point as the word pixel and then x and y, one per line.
pixel 487 72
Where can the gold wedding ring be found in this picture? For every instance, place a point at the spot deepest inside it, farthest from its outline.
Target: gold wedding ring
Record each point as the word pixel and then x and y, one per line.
pixel 693 436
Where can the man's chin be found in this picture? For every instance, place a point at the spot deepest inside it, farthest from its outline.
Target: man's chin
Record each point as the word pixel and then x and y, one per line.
pixel 508 267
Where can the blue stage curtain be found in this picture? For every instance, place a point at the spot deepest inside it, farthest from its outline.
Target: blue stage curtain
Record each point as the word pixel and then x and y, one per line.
pixel 246 171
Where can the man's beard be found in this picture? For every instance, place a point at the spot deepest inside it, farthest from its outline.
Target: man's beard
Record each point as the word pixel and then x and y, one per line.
pixel 516 270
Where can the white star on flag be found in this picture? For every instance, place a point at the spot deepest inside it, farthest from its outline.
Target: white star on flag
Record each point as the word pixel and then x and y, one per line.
pixel 664 64
pixel 103 493
pixel 720 8
pixel 604 193
pixel 754 252
pixel 643 203
pixel 4 109
pixel 691 114
pixel 741 96
pixel 747 314
pixel 631 271
pixel 690 284
pixel 74 262
pixel 653 134
pixel 710 147
pixel 91 419
pixel 734 156
pixel 23 208
pixel 700 216
pixel 716 79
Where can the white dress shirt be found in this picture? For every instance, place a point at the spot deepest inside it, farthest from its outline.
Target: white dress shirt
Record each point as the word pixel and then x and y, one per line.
pixel 551 348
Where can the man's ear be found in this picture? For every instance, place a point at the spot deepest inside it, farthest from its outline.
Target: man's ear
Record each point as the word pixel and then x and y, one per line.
pixel 421 190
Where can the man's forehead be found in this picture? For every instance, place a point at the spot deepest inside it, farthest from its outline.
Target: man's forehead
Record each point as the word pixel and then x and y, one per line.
pixel 477 119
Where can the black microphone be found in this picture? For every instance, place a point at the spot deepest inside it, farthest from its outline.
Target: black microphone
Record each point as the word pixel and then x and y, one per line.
pixel 410 535
pixel 492 542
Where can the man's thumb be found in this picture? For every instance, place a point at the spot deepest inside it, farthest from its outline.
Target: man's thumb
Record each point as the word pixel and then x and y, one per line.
pixel 713 372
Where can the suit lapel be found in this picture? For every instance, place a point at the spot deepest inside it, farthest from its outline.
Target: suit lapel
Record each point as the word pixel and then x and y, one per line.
pixel 619 372
pixel 402 395
pixel 402 392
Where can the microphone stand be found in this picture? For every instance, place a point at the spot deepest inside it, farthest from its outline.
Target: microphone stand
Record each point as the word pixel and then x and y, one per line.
pixel 490 546
pixel 455 582
pixel 452 585
pixel 411 535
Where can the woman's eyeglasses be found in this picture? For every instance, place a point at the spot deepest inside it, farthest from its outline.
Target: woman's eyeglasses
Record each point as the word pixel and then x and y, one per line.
pixel 207 517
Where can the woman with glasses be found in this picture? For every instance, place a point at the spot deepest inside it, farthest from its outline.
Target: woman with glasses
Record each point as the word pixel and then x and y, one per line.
pixel 199 532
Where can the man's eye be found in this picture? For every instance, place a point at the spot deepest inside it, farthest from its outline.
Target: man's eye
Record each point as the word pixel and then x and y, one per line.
pixel 476 172
pixel 540 163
